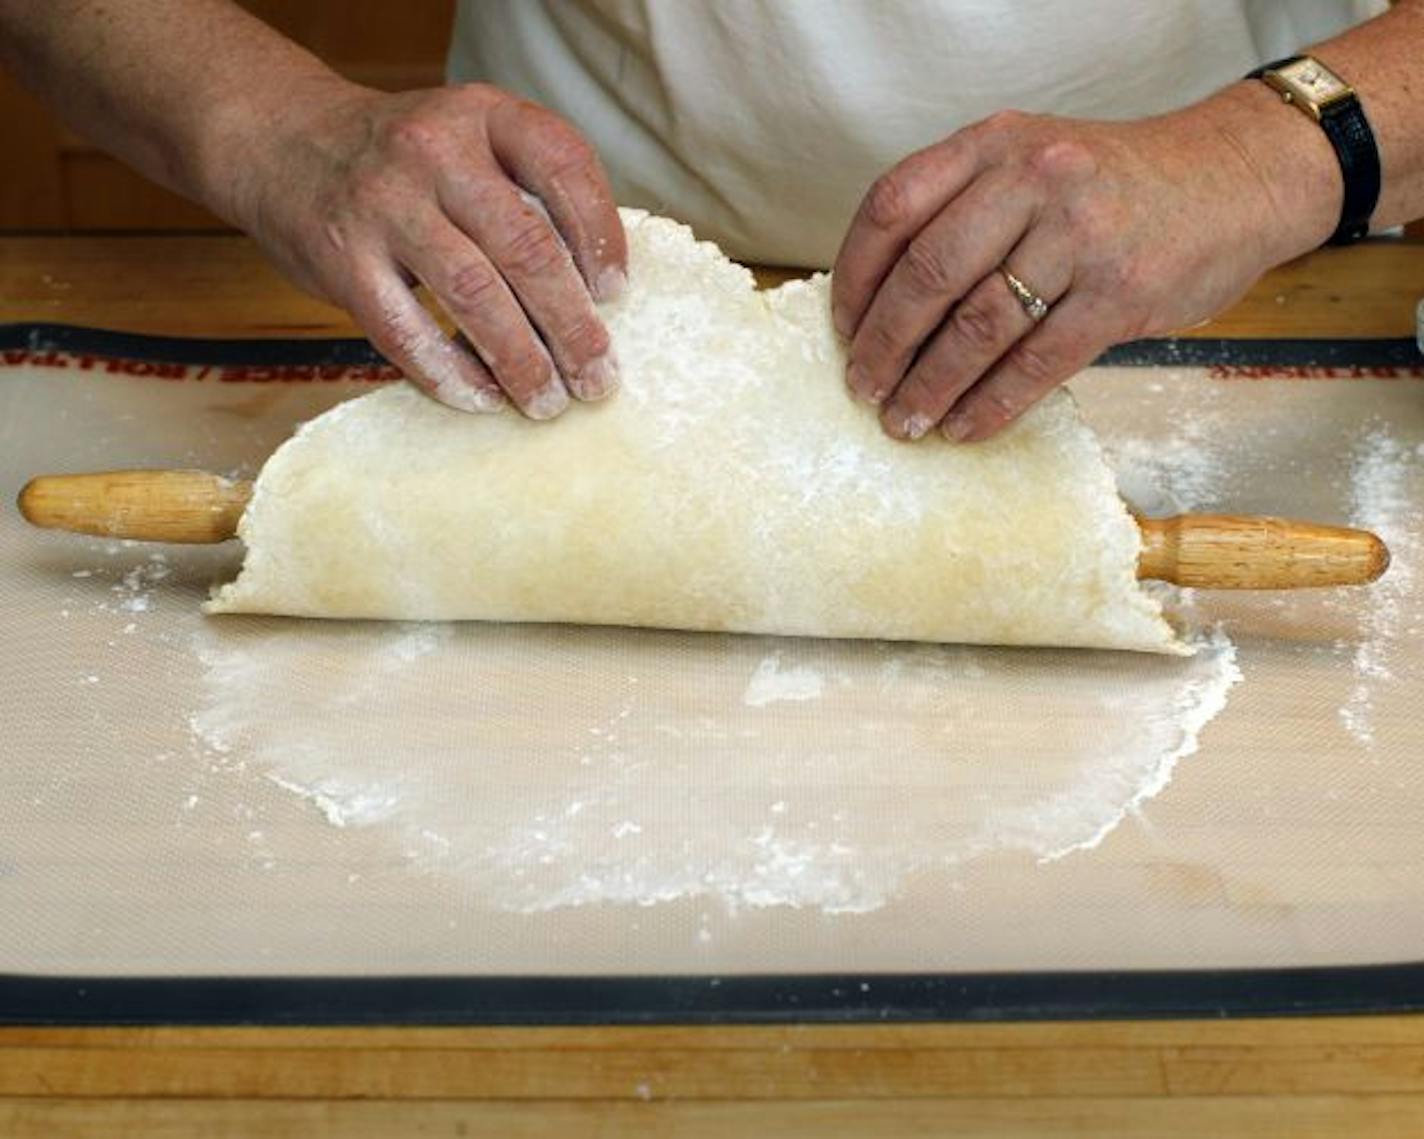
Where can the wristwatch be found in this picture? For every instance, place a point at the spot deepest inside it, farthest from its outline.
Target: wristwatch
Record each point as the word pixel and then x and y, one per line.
pixel 1307 83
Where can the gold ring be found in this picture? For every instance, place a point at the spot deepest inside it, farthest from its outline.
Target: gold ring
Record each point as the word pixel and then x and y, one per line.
pixel 1033 304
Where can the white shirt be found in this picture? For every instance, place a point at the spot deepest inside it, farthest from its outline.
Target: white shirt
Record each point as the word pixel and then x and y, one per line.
pixel 762 122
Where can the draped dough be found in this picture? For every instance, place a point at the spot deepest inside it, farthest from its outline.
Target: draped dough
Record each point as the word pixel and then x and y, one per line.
pixel 732 484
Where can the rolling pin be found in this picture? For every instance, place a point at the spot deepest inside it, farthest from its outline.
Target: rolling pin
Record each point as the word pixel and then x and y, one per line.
pixel 1203 551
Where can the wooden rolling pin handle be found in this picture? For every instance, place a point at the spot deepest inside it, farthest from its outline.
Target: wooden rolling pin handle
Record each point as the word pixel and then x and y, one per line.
pixel 1206 551
pixel 146 506
pixel 1222 551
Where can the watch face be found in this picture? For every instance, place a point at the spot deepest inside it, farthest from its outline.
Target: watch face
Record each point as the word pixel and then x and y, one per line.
pixel 1313 82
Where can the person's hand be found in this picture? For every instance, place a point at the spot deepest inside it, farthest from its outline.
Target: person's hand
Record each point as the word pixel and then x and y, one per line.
pixel 1124 229
pixel 496 205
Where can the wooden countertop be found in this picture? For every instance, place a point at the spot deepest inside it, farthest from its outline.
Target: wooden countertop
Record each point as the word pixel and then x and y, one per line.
pixel 1362 1077
pixel 220 286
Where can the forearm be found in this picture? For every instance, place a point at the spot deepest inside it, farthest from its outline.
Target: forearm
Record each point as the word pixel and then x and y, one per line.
pixel 1291 155
pixel 172 87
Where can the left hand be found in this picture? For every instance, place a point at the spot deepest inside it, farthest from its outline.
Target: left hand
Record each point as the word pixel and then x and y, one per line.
pixel 1124 229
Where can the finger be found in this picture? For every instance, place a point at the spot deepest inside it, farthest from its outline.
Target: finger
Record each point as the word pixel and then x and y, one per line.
pixel 471 290
pixel 549 158
pixel 945 260
pixel 897 206
pixel 1065 343
pixel 519 239
pixel 406 335
pixel 978 331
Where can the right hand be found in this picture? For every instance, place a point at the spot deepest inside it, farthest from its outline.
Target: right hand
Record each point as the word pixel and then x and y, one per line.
pixel 360 195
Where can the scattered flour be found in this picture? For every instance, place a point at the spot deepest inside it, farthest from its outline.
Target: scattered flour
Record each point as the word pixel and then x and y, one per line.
pixel 1379 502
pixel 674 771
pixel 344 804
pixel 1188 470
pixel 771 683
pixel 1121 786
pixel 1169 476
pixel 134 591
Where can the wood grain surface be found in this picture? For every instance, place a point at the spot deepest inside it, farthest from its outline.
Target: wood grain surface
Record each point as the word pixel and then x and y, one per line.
pixel 1361 1078
pixel 220 285
pixel 1297 1078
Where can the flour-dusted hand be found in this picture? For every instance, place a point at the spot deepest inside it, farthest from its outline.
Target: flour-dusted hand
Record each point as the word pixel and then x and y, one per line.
pixel 496 205
pixel 1122 230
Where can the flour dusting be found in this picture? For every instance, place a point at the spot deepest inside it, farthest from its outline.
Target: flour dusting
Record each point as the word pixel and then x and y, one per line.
pixel 134 591
pixel 679 767
pixel 1168 476
pixel 344 804
pixel 1379 470
pixel 1118 788
pixel 135 588
pixel 771 682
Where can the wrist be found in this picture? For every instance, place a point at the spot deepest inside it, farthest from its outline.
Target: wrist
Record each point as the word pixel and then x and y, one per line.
pixel 1287 161
pixel 243 137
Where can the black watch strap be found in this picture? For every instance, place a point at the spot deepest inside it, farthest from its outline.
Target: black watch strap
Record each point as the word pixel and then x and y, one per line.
pixel 1348 130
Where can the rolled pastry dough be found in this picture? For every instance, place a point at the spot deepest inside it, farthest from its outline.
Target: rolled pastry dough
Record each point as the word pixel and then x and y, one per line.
pixel 732 484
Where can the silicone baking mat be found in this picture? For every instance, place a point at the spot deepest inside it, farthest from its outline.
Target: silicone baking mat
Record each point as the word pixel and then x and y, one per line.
pixel 271 820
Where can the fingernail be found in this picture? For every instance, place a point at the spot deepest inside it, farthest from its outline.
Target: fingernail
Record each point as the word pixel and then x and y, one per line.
pixel 909 427
pixel 840 318
pixel 597 378
pixel 859 384
pixel 609 285
pixel 464 396
pixel 548 401
pixel 958 428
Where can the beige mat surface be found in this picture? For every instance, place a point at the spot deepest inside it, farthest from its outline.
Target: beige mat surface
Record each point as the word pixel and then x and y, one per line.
pixel 184 794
